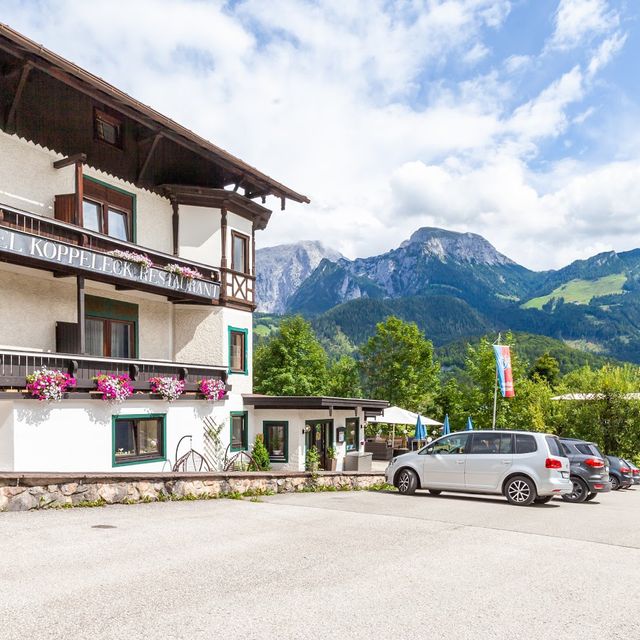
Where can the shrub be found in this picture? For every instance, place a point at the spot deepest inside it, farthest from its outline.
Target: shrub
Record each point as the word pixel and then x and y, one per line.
pixel 260 455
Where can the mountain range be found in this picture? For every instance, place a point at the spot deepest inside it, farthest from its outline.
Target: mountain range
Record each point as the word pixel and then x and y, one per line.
pixel 456 285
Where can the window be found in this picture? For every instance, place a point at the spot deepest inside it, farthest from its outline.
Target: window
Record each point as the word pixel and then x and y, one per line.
pixel 107 210
pixel 352 433
pixel 239 431
pixel 108 128
pixel 276 440
pixel 491 443
pixel 456 443
pixel 237 350
pixel 138 439
pixel 525 443
pixel 110 327
pixel 555 447
pixel 239 252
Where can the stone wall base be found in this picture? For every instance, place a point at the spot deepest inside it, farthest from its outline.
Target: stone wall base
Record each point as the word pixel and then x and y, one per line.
pixel 23 492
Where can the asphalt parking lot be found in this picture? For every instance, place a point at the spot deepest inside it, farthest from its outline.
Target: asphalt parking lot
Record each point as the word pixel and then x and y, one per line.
pixel 342 565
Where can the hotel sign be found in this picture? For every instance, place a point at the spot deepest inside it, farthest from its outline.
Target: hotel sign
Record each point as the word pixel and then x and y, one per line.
pixel 101 264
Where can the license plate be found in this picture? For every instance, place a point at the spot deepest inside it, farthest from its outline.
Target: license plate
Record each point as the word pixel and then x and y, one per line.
pixel 565 474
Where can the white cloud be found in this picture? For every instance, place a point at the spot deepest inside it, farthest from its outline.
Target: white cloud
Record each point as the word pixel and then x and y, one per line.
pixel 355 104
pixel 605 52
pixel 580 20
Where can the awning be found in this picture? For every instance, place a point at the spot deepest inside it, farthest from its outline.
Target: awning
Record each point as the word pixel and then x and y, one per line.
pixel 372 407
pixel 396 415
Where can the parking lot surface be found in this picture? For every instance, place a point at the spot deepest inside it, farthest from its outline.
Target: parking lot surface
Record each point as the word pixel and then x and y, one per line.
pixel 342 565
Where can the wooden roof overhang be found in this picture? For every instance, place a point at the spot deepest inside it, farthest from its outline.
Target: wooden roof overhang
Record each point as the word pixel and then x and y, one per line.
pixel 156 150
pixel 219 198
pixel 369 406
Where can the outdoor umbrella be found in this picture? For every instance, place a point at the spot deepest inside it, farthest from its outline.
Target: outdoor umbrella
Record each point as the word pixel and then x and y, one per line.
pixel 469 424
pixel 445 427
pixel 421 432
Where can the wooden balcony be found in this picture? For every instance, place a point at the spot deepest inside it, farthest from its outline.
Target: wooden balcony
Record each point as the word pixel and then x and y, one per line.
pixel 16 365
pixel 87 245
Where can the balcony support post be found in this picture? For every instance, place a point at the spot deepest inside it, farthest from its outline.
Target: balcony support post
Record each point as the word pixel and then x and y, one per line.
pixel 175 220
pixel 223 256
pixel 82 338
pixel 79 193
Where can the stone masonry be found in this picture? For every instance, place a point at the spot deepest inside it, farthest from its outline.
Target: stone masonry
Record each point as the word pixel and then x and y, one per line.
pixel 25 491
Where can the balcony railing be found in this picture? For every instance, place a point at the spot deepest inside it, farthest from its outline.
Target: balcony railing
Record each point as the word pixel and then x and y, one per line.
pixel 87 239
pixel 15 366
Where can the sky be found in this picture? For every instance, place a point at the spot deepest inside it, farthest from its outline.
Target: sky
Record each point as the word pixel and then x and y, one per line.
pixel 517 120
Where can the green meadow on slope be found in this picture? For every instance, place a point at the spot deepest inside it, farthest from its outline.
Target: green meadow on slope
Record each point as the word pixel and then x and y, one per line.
pixel 581 291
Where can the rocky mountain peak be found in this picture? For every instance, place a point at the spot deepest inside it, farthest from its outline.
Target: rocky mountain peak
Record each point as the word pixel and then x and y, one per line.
pixel 458 247
pixel 282 268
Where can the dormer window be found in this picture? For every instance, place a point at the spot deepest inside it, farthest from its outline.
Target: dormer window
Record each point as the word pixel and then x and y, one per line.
pixel 108 128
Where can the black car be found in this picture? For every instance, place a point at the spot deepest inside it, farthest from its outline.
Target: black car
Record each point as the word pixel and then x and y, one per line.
pixel 589 470
pixel 620 473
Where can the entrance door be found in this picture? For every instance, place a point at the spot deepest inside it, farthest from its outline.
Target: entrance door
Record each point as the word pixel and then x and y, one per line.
pixel 320 434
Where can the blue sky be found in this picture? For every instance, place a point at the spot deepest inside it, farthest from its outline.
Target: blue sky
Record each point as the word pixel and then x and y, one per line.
pixel 513 119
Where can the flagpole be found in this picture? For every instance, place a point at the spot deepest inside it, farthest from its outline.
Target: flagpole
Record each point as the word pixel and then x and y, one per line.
pixel 495 391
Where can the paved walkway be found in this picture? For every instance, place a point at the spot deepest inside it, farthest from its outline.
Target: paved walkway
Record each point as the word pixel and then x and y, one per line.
pixel 342 565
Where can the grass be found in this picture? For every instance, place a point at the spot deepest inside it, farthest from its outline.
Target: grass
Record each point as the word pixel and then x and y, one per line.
pixel 581 291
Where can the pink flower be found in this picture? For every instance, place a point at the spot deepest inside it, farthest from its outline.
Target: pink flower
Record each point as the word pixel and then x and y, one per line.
pixel 114 388
pixel 212 389
pixel 49 384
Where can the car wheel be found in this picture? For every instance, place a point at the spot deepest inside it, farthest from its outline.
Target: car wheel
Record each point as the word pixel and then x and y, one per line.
pixel 615 483
pixel 435 492
pixel 543 499
pixel 520 491
pixel 407 482
pixel 579 493
pixel 591 496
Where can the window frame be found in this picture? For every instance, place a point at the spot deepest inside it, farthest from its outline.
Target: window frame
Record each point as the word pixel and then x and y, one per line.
pixel 111 120
pixel 478 435
pixel 428 450
pixel 247 246
pixel 109 310
pixel 105 204
pixel 346 431
pixel 162 417
pixel 245 430
pixel 265 436
pixel 245 350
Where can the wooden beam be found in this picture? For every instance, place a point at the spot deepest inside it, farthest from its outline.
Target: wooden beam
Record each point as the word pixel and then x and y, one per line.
pixel 69 160
pixel 238 183
pixel 81 313
pixel 175 224
pixel 79 180
pixel 10 120
pixel 145 164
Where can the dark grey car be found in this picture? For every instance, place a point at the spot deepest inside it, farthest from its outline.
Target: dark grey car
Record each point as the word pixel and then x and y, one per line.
pixel 635 471
pixel 589 470
pixel 620 473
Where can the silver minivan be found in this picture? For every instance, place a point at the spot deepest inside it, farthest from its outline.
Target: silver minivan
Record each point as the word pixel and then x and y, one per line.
pixel 525 467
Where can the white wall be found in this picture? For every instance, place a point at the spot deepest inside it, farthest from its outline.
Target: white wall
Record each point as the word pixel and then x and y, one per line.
pixel 28 180
pixel 6 435
pixel 76 436
pixel 297 419
pixel 38 301
pixel 199 234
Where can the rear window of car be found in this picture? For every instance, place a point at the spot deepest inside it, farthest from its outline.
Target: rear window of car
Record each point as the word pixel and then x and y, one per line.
pixel 584 449
pixel 525 443
pixel 596 451
pixel 555 446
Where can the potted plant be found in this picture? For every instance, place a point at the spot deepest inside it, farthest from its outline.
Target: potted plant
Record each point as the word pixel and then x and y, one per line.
pixel 49 384
pixel 332 459
pixel 212 389
pixel 276 446
pixel 168 387
pixel 114 388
